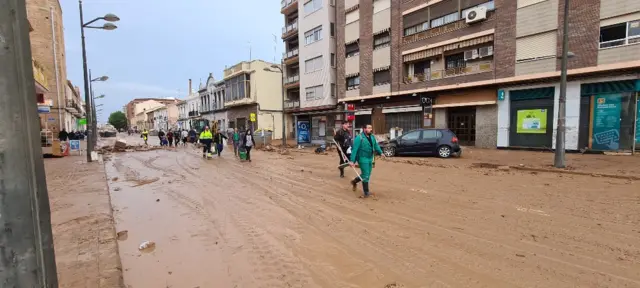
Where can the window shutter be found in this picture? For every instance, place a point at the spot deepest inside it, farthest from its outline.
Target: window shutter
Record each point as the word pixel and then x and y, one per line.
pixel 536 46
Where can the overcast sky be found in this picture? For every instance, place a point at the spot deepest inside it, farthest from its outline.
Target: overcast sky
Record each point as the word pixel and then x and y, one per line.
pixel 160 44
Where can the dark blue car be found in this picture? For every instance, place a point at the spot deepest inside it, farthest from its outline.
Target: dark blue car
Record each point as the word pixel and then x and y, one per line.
pixel 424 142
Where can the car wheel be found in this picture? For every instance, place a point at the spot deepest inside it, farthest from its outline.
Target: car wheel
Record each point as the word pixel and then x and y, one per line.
pixel 389 151
pixel 444 151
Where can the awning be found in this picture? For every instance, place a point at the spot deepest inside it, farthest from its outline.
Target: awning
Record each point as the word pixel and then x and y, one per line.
pixel 469 43
pixel 401 109
pixel 477 103
pixel 383 68
pixel 422 54
pixel 608 87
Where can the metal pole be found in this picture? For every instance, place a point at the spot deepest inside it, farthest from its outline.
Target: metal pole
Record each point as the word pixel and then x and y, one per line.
pixel 284 127
pixel 87 96
pixel 26 255
pixel 559 159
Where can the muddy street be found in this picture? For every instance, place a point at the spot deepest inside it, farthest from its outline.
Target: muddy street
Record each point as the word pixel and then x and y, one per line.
pixel 290 221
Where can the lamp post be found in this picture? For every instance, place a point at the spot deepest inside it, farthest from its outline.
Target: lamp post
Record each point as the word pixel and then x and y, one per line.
pixel 284 133
pixel 559 156
pixel 106 26
pixel 93 98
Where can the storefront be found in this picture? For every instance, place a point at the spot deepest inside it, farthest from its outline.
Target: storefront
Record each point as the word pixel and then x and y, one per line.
pixel 317 128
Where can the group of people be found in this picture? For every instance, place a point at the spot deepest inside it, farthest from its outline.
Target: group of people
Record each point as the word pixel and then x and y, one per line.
pixel 63 135
pixel 172 137
pixel 242 142
pixel 360 151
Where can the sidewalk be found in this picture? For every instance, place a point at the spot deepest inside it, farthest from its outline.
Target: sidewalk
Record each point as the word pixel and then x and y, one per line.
pixel 83 226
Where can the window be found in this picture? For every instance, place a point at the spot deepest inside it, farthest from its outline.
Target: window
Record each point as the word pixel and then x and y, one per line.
pixel 332 29
pixel 353 49
pixel 381 40
pixel 381 77
pixel 333 90
pixel 411 136
pixel 333 60
pixel 421 70
pixel 353 82
pixel 407 121
pixel 236 87
pixel 620 34
pixel 489 5
pixel 312 6
pixel 453 17
pixel 313 35
pixel 455 61
pixel 431 134
pixel 416 29
pixel 313 93
pixel 313 64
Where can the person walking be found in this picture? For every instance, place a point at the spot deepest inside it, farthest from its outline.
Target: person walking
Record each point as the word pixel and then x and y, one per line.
pixel 248 142
pixel 145 136
pixel 343 138
pixel 161 137
pixel 363 152
pixel 236 141
pixel 170 138
pixel 218 140
pixel 63 135
pixel 192 136
pixel 206 138
pixel 184 135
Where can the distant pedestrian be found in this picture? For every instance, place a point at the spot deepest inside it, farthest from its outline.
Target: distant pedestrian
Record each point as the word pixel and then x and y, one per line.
pixel 343 138
pixel 170 138
pixel 184 135
pixel 218 140
pixel 236 141
pixel 205 138
pixel 63 135
pixel 248 142
pixel 145 136
pixel 192 136
pixel 161 136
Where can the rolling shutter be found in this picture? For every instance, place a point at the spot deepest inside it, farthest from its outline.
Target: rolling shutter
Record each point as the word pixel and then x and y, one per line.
pixel 536 46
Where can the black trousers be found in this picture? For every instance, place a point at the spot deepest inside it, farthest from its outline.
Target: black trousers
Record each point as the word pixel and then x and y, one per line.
pixel 207 145
pixel 248 152
pixel 342 161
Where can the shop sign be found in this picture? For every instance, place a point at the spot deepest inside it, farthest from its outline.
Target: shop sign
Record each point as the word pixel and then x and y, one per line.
pixel 44 109
pixel 303 128
pixel 82 121
pixel 74 145
pixel 532 121
pixel 500 95
pixel 606 122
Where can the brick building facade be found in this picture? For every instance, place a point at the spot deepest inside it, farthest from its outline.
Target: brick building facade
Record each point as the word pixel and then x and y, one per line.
pixel 459 55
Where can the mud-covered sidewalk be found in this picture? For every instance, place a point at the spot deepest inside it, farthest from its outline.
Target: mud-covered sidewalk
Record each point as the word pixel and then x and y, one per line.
pixel 83 228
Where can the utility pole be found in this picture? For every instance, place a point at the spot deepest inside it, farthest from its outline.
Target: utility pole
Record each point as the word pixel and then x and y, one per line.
pixel 559 159
pixel 26 254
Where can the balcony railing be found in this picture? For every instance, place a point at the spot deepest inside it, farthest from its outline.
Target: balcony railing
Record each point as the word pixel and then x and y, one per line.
pixel 450 27
pixel 194 113
pixel 289 28
pixel 287 3
pixel 290 54
pixel 451 72
pixel 291 104
pixel 292 79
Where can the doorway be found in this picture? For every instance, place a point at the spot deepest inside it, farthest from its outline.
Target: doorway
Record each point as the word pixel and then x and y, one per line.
pixel 462 121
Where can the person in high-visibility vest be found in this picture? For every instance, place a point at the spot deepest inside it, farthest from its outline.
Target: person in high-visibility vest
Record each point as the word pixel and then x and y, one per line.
pixel 205 138
pixel 145 136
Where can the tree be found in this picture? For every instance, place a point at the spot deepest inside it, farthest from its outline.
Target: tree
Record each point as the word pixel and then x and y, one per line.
pixel 118 120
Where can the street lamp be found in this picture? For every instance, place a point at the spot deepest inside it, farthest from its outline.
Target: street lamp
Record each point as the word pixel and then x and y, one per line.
pixel 94 127
pixel 107 26
pixel 284 134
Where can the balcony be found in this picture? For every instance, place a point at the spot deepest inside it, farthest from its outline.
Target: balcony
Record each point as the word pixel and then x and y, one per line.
pixel 288 6
pixel 290 57
pixel 194 113
pixel 450 27
pixel 290 30
pixel 292 81
pixel 291 104
pixel 451 72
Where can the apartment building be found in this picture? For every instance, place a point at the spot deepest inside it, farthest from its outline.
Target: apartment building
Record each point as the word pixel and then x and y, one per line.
pixel 74 109
pixel 254 88
pixel 212 102
pixel 309 35
pixel 489 70
pixel 133 108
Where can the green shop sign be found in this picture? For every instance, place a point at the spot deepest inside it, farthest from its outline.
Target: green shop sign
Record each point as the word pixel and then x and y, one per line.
pixel 532 121
pixel 606 122
pixel 82 121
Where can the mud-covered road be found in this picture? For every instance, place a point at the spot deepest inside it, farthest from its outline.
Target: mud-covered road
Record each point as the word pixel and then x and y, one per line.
pixel 289 221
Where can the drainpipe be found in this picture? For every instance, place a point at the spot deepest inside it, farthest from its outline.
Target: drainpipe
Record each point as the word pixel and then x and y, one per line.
pixel 55 63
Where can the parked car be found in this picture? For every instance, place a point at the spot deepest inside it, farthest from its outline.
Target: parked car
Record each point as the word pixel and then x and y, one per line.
pixel 440 142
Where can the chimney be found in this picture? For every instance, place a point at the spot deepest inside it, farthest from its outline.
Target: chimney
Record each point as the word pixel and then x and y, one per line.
pixel 189 93
pixel 210 74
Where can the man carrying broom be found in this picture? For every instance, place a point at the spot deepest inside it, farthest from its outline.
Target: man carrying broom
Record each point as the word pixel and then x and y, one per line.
pixel 365 146
pixel 343 139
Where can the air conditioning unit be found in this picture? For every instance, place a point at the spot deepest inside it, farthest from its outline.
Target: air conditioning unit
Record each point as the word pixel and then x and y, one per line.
pixel 476 15
pixel 470 54
pixel 485 51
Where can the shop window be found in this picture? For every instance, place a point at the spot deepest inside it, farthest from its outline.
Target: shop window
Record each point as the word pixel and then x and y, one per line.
pixel 381 77
pixel 352 49
pixel 407 121
pixel 620 34
pixel 353 82
pixel 381 40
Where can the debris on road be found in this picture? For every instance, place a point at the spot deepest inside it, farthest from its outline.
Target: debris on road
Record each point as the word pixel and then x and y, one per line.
pixel 147 246
pixel 122 235
pixel 114 179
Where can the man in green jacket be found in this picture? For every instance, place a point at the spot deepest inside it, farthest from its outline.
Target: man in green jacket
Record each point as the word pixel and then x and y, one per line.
pixel 363 151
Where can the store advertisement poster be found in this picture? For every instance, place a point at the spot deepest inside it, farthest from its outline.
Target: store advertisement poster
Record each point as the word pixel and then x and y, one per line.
pixel 532 121
pixel 606 122
pixel 303 129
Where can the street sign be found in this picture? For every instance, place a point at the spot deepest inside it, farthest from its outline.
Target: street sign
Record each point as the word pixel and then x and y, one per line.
pixel 74 145
pixel 252 117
